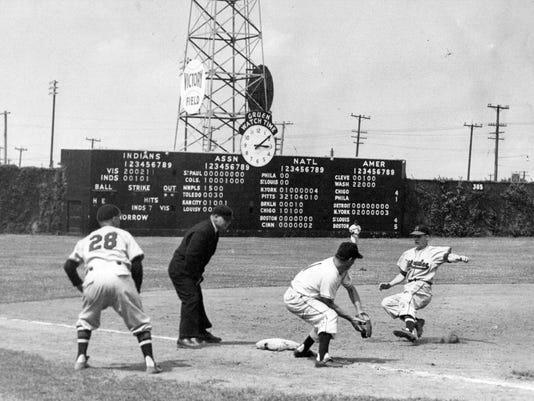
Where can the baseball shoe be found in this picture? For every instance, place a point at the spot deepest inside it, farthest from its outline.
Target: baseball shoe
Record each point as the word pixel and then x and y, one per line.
pixel 153 370
pixel 192 342
pixel 419 327
pixel 81 363
pixel 327 362
pixel 304 354
pixel 209 338
pixel 407 334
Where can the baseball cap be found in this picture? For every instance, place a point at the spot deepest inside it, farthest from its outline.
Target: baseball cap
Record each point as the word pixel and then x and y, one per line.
pixel 348 250
pixel 107 212
pixel 420 230
pixel 224 211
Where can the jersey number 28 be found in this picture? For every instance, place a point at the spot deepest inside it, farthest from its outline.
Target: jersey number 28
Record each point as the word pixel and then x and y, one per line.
pixel 110 241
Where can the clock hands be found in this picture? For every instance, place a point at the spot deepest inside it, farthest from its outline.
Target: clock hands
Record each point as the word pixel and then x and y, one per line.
pixel 261 144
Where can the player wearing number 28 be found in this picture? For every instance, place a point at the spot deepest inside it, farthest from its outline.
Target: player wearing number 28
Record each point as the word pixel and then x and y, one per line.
pixel 112 258
pixel 418 267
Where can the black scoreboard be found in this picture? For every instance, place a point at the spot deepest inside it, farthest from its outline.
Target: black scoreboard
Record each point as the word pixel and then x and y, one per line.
pixel 164 193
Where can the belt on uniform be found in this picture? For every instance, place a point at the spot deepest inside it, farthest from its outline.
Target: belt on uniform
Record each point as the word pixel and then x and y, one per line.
pixel 90 268
pixel 424 281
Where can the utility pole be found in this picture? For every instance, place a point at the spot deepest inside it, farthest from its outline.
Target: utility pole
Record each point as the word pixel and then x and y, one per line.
pixel 53 92
pixel 358 131
pixel 93 140
pixel 5 113
pixel 497 125
pixel 20 153
pixel 470 146
pixel 283 125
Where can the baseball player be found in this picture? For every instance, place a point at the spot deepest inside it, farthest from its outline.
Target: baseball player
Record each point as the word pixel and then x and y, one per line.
pixel 112 258
pixel 418 267
pixel 311 297
pixel 355 229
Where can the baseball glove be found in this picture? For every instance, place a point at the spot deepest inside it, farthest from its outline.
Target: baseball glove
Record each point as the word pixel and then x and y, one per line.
pixel 362 324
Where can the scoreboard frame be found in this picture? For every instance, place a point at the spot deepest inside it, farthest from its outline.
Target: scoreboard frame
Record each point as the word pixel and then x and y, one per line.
pixel 164 193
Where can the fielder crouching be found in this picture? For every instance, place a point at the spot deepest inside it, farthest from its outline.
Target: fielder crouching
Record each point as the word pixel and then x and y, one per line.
pixel 311 297
pixel 114 274
pixel 418 267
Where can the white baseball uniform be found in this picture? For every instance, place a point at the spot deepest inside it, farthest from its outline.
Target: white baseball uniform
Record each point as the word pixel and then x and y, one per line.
pixel 321 279
pixel 419 267
pixel 107 254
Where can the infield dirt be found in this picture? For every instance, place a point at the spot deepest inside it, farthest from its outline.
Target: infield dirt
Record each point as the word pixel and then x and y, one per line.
pixel 494 323
pixel 487 302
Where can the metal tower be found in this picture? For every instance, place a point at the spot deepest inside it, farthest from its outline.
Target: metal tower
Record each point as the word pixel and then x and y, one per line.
pixel 225 36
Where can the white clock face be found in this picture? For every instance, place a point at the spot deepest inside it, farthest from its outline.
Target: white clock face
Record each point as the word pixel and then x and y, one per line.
pixel 257 145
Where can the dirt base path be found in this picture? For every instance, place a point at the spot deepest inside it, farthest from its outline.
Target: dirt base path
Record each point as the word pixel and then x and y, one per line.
pixel 494 323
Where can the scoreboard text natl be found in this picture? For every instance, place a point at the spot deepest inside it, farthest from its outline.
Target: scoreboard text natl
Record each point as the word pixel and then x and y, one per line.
pixel 167 192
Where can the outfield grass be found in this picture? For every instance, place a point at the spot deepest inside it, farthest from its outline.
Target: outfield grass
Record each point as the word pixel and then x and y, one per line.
pixel 25 377
pixel 31 266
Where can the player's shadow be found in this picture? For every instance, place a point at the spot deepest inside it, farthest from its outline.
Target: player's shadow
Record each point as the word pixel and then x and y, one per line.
pixel 434 340
pixel 350 361
pixel 167 366
pixel 444 341
pixel 222 343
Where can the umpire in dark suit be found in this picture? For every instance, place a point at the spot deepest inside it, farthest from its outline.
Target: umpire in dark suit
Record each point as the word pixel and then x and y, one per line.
pixel 186 271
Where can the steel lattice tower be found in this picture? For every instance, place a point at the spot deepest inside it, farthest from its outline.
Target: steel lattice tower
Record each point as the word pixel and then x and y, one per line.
pixel 225 35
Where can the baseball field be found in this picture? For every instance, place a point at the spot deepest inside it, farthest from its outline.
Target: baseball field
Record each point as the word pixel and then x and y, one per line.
pixel 487 303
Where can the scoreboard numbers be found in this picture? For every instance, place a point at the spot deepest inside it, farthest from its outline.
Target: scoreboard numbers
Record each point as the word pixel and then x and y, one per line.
pixel 163 193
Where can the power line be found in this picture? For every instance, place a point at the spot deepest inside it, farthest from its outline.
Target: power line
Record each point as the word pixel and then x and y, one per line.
pixel 358 131
pixel 497 125
pixel 92 140
pixel 470 146
pixel 5 113
pixel 53 92
pixel 20 154
pixel 283 125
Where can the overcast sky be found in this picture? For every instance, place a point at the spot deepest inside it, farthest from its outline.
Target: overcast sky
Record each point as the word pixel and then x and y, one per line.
pixel 419 69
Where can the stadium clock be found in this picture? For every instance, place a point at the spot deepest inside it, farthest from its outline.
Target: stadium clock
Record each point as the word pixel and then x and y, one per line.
pixel 257 145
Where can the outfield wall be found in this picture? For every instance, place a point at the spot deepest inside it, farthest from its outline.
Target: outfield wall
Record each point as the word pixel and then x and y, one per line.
pixel 33 200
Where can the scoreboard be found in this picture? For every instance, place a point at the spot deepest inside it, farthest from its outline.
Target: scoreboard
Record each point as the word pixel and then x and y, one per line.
pixel 164 193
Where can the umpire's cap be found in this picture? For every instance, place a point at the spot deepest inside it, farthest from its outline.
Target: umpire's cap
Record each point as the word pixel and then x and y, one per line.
pixel 107 212
pixel 420 230
pixel 224 211
pixel 348 250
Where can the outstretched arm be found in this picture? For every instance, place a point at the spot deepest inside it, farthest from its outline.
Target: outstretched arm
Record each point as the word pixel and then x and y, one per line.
pixel 399 278
pixel 453 258
pixel 355 299
pixel 340 311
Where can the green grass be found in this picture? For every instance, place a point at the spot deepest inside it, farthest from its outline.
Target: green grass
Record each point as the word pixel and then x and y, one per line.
pixel 31 266
pixel 29 377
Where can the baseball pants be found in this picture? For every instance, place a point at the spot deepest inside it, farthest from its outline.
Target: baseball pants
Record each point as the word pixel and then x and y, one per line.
pixel 416 295
pixel 317 313
pixel 103 289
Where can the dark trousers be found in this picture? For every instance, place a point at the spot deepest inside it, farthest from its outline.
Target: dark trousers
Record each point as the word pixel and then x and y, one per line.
pixel 193 319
